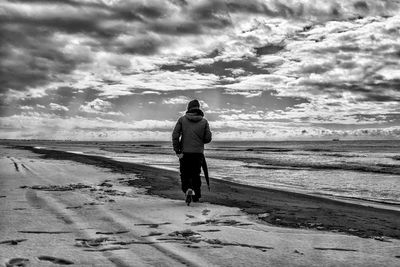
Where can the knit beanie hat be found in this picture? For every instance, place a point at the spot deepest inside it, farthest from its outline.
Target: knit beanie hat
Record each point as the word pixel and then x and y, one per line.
pixel 193 104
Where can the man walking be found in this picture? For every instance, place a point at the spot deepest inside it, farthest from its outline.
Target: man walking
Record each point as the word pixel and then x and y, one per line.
pixel 190 134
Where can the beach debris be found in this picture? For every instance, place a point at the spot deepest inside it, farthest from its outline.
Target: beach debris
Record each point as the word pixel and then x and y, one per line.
pixel 193 237
pixel 2 196
pixel 17 262
pixel 337 249
pixel 94 242
pixel 55 260
pixel 298 252
pixel 172 239
pixel 112 233
pixel 190 216
pixel 263 215
pixel 214 241
pixel 43 232
pixel 382 239
pixel 106 244
pixel 397 256
pixel 153 234
pixel 92 203
pixel 106 249
pixel 188 235
pixel 221 223
pixel 205 212
pixel 105 184
pixel 69 187
pixel 209 230
pixel 193 246
pixel 221 243
pixel 74 207
pixel 113 192
pixel 152 225
pixel 208 221
pixel 13 241
pixel 184 233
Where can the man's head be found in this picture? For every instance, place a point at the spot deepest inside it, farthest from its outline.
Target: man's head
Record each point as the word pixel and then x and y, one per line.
pixel 194 104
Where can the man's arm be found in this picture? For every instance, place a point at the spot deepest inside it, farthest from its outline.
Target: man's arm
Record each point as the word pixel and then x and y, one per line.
pixel 207 134
pixel 175 136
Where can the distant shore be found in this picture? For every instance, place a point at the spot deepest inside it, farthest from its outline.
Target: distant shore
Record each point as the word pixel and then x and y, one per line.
pixel 276 207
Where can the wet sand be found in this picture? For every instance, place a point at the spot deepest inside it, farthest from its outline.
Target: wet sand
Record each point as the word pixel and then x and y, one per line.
pixel 276 207
pixel 67 209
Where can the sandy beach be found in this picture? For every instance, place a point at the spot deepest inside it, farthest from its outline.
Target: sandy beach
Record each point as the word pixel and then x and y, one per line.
pixel 68 209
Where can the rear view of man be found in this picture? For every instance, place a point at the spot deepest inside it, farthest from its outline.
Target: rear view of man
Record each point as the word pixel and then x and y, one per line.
pixel 190 134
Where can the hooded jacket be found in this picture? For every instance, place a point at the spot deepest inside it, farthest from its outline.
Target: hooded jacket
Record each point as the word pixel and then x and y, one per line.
pixel 191 132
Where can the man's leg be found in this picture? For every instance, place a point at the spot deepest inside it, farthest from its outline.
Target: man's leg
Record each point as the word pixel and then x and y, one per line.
pixel 196 180
pixel 182 169
pixel 186 167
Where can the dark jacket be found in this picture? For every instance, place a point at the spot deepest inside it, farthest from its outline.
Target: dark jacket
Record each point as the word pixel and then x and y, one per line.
pixel 191 132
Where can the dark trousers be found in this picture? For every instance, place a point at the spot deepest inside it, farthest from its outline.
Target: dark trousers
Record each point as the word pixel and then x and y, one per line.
pixel 190 168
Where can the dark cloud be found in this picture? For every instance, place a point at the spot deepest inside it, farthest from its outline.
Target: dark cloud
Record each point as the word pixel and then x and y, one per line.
pixel 177 28
pixel 199 19
pixel 30 60
pixel 377 91
pixel 222 68
pixel 361 5
pixel 40 58
pixel 269 49
pixel 323 12
pixel 278 9
pixel 144 45
pixel 179 2
pixel 80 21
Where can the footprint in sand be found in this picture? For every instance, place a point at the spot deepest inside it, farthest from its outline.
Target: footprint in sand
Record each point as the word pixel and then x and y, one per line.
pixel 20 262
pixel 205 212
pixel 298 252
pixel 55 260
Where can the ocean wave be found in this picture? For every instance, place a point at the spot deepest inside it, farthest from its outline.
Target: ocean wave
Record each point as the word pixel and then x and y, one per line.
pixel 255 149
pixel 318 150
pixel 271 164
pixel 338 155
pixel 396 157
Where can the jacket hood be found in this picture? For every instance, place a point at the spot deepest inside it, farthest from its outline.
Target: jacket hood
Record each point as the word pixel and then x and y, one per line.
pixel 194 115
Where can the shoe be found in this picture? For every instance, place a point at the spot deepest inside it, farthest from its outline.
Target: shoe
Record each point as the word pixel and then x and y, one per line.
pixel 189 194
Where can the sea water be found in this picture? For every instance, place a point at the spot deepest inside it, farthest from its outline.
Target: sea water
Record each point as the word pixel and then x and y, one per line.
pixel 347 170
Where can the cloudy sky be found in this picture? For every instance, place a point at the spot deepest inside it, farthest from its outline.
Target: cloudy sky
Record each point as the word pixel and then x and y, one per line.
pixel 262 69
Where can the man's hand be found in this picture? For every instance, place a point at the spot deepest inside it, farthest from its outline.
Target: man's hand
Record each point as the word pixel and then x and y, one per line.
pixel 179 155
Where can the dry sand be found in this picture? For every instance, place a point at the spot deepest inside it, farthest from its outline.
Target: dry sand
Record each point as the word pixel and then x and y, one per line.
pixel 60 208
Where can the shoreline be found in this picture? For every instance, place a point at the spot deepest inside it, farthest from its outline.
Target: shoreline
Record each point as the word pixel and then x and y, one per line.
pixel 277 207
